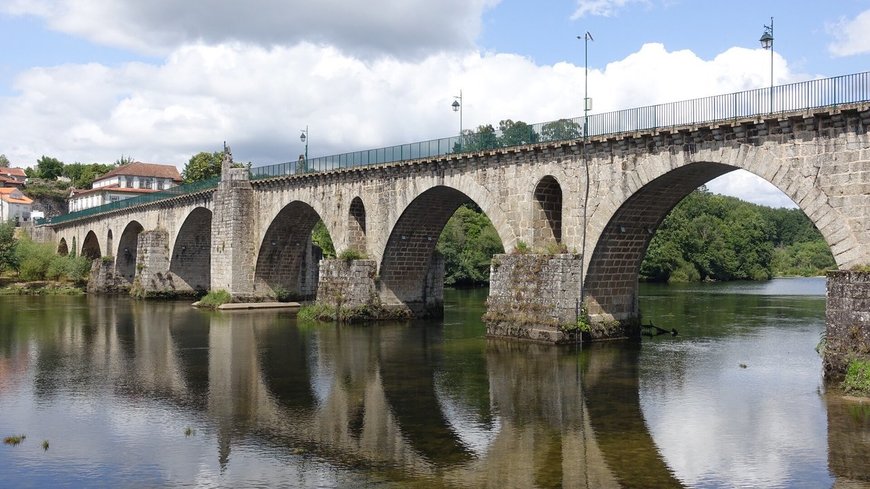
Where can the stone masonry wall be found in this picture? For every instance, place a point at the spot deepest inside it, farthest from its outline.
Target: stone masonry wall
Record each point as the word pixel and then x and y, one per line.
pixel 232 233
pixel 348 283
pixel 536 297
pixel 153 278
pixel 104 280
pixel 847 320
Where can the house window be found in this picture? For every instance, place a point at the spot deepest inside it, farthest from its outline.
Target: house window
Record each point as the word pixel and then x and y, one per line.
pixel 159 184
pixel 144 182
pixel 114 198
pixel 129 182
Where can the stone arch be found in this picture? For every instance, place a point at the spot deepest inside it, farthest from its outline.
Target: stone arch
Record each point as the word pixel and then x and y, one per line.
pixel 611 286
pixel 128 251
pixel 287 261
pixel 191 254
pixel 547 212
pixel 409 277
pixel 91 246
pixel 356 225
pixel 62 248
pixel 109 250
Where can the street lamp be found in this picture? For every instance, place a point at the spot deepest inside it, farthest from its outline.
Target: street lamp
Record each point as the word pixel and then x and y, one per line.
pixel 457 107
pixel 767 43
pixel 304 138
pixel 587 105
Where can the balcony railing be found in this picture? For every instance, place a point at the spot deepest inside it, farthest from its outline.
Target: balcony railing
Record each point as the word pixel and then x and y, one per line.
pixel 826 92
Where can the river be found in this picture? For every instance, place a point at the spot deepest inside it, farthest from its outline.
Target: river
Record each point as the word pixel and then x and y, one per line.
pixel 158 394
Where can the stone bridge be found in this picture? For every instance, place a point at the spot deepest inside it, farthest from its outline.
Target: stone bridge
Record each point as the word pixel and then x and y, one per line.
pixel 604 195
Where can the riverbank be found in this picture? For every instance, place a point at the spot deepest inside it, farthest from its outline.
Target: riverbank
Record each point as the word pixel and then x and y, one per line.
pixel 40 288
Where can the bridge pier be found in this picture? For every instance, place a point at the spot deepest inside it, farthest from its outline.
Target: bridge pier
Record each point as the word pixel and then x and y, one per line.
pixel 233 234
pixel 153 278
pixel 537 297
pixel 847 321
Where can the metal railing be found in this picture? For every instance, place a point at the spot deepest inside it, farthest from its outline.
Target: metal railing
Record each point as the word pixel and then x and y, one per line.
pixel 177 191
pixel 811 94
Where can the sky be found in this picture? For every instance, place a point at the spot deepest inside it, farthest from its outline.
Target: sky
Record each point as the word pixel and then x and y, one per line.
pixel 161 80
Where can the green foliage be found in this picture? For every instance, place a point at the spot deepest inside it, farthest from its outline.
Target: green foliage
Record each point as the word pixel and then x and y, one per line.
pixel 467 243
pixel 215 298
pixel 521 248
pixel 857 377
pixel 516 133
pixel 807 259
pixel 33 259
pixel 714 237
pixel 320 236
pixel 202 166
pixel 82 175
pixel 38 188
pixel 561 130
pixel 8 256
pixel 48 168
pixel 124 160
pixel 483 138
pixel 351 254
pixel 4 161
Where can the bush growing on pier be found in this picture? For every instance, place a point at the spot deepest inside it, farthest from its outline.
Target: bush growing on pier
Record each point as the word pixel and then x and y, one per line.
pixel 857 379
pixel 215 298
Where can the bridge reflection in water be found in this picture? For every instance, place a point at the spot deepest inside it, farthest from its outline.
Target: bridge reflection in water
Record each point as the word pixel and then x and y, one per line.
pixel 386 403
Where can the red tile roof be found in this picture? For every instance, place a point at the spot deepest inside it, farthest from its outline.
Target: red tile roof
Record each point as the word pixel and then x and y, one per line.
pixel 139 169
pixel 13 172
pixel 14 196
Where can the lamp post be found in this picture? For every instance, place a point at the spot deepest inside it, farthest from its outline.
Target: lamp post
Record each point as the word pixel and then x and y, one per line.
pixel 587 105
pixel 457 107
pixel 304 138
pixel 767 43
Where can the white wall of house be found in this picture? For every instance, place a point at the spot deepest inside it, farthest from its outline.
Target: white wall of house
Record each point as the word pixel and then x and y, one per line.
pixel 10 211
pixel 94 199
pixel 124 181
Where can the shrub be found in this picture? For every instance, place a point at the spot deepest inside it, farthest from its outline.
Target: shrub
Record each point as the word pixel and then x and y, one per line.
pixel 857 377
pixel 521 248
pixel 351 254
pixel 215 298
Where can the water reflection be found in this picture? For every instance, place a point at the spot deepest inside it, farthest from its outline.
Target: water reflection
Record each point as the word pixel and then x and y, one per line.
pixel 115 383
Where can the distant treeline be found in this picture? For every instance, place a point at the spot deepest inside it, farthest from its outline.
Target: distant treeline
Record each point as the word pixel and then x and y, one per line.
pixel 705 237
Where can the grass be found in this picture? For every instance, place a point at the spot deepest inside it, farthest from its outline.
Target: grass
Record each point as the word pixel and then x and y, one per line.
pixel 41 288
pixel 857 379
pixel 14 440
pixel 351 254
pixel 215 298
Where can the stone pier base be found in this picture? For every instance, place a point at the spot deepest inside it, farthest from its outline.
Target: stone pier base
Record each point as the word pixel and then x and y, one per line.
pixel 103 278
pixel 847 321
pixel 536 297
pixel 153 278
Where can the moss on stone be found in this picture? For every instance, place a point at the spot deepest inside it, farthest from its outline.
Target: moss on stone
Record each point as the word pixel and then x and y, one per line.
pixel 857 380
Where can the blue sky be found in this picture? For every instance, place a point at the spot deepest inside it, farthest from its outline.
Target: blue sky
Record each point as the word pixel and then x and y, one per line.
pixel 161 80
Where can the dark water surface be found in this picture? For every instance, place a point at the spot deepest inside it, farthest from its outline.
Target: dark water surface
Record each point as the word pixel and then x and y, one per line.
pixel 136 394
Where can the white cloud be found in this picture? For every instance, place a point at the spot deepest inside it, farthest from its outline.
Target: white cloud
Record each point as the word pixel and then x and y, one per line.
pixel 851 37
pixel 371 28
pixel 602 8
pixel 750 187
pixel 258 98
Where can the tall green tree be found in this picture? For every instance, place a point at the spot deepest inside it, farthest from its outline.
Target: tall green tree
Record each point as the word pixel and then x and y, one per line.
pixel 48 168
pixel 560 130
pixel 8 256
pixel 4 161
pixel 516 133
pixel 483 138
pixel 467 243
pixel 202 166
pixel 82 175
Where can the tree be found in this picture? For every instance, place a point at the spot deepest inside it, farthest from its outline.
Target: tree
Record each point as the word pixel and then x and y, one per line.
pixel 560 130
pixel 4 161
pixel 48 168
pixel 124 160
pixel 483 138
pixel 467 243
pixel 82 175
pixel 7 247
pixel 202 166
pixel 516 133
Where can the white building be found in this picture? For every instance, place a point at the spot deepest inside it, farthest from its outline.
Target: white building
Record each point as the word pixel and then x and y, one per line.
pixel 124 182
pixel 14 205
